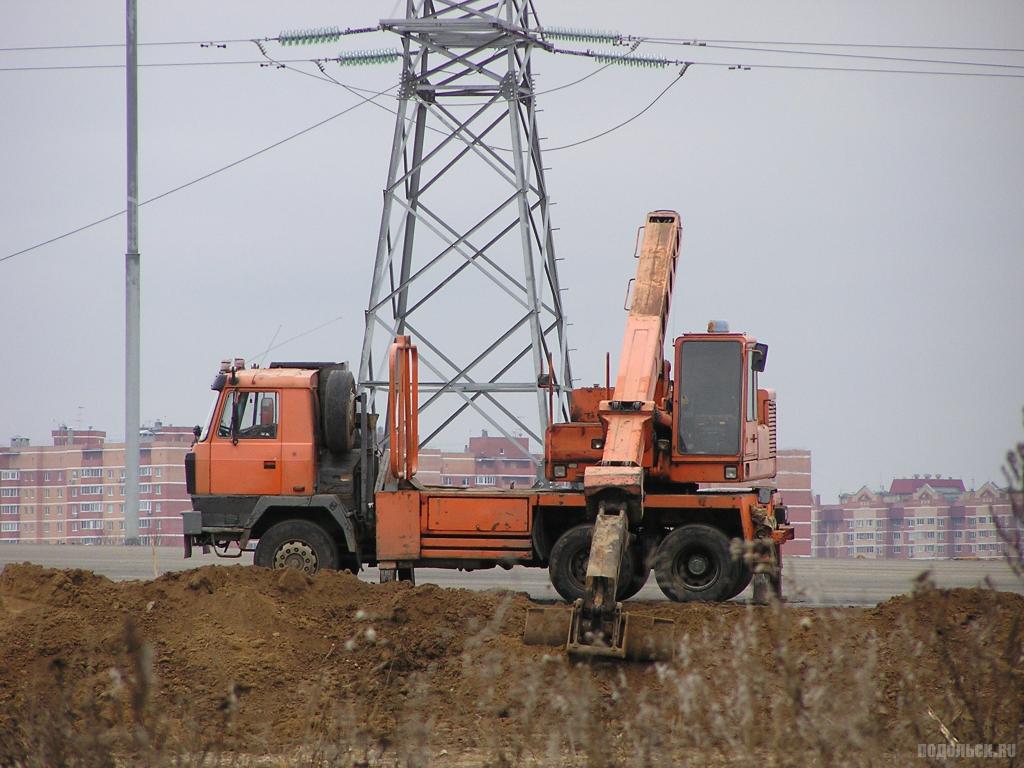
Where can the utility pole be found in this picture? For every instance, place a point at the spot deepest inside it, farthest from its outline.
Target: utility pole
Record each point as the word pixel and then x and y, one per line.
pixel 132 350
pixel 466 198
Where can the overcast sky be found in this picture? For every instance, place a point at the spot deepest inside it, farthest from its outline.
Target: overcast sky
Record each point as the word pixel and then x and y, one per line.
pixel 868 227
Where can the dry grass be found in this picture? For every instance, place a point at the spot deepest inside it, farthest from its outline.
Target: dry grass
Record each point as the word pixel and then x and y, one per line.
pixel 776 688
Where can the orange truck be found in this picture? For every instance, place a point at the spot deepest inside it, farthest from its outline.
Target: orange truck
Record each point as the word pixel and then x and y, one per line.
pixel 656 473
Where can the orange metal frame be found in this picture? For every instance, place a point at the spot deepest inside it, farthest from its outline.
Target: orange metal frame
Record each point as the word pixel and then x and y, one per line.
pixel 403 397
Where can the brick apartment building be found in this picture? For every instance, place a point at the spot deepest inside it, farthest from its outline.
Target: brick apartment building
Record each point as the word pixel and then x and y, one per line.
pixel 486 462
pixel 917 518
pixel 72 492
pixel 793 479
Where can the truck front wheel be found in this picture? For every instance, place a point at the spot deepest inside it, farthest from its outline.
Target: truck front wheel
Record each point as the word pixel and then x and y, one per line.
pixel 297 544
pixel 568 565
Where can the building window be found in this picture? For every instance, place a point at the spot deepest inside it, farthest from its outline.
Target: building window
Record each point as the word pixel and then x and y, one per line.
pixel 158 472
pixel 92 490
pixel 92 472
pixel 485 479
pixel 159 507
pixel 74 492
pixel 158 490
pixel 8 509
pixel 9 474
pixel 9 493
pixel 8 526
pixel 46 477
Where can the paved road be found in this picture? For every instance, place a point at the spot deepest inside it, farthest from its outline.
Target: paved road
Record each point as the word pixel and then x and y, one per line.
pixel 807 581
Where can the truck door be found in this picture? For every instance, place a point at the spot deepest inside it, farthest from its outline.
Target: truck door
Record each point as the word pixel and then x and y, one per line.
pixel 245 451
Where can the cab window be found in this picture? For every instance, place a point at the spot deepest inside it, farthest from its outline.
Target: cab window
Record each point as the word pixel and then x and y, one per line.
pixel 710 397
pixel 254 413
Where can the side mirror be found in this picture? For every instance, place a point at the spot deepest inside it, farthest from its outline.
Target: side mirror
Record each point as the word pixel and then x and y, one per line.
pixel 197 431
pixel 759 357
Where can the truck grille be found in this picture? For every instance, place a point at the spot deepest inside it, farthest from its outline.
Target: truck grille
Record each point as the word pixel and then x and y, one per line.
pixel 772 446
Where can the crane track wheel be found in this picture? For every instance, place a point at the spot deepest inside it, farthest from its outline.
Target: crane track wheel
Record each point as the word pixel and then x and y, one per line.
pixel 694 564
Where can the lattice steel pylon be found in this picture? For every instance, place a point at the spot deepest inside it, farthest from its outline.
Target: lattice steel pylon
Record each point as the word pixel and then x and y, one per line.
pixel 465 259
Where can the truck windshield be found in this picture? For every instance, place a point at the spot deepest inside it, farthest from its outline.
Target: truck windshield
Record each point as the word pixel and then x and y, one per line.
pixel 209 418
pixel 710 397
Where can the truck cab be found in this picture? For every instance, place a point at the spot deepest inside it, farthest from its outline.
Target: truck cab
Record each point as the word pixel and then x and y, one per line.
pixel 279 442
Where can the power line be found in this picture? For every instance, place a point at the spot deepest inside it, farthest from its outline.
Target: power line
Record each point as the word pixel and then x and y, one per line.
pixel 872 57
pixel 693 41
pixel 81 46
pixel 664 62
pixel 159 64
pixel 284 38
pixel 624 122
pixel 701 41
pixel 205 176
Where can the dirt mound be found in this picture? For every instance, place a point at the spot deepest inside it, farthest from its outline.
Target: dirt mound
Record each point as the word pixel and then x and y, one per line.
pixel 269 661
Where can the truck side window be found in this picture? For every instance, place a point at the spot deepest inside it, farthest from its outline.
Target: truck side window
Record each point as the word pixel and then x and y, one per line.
pixel 257 414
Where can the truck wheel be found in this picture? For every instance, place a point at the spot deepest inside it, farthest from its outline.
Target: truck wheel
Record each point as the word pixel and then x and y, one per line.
pixel 338 403
pixel 641 573
pixel 567 566
pixel 296 544
pixel 693 563
pixel 743 578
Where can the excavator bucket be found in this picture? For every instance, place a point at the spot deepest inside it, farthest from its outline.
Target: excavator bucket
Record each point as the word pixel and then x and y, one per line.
pixel 596 626
pixel 634 637
pixel 548 626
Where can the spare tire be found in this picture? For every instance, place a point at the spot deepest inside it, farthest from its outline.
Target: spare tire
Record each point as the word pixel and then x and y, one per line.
pixel 338 404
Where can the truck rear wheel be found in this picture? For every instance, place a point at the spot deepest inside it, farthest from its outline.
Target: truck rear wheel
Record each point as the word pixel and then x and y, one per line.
pixel 693 563
pixel 297 544
pixel 567 566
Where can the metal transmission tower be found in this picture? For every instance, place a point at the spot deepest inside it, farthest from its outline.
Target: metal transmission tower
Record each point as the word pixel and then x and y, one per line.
pixel 465 261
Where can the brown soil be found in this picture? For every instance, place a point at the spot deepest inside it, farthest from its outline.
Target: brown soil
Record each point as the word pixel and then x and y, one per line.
pixel 256 660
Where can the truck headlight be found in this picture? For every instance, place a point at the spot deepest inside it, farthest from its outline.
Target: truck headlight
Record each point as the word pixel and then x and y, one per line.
pixel 730 473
